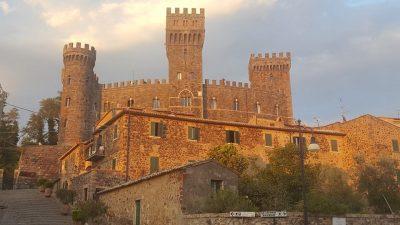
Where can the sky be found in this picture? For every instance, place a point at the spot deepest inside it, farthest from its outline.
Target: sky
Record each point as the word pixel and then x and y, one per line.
pixel 345 53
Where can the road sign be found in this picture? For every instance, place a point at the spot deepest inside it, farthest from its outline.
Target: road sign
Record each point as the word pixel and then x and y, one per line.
pixel 273 214
pixel 243 214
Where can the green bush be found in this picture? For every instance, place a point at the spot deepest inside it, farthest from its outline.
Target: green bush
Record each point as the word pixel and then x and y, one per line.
pixel 49 184
pixel 227 201
pixel 41 182
pixel 66 196
pixel 229 156
pixel 88 210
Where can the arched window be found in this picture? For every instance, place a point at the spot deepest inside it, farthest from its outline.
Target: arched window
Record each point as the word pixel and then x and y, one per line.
pixel 156 103
pixel 130 103
pixel 69 80
pixel 179 76
pixel 199 38
pixel 189 38
pixel 175 37
pixel 185 97
pixel 258 107
pixel 236 104
pixel 68 102
pixel 213 103
pixel 170 38
pixel 184 38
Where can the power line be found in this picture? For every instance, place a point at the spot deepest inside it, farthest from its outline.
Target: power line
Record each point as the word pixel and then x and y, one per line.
pixel 19 107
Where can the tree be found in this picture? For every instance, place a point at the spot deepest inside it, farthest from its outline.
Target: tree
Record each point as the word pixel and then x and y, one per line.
pixel 49 114
pixel 50 111
pixel 229 156
pixel 8 141
pixel 278 186
pixel 378 183
pixel 34 131
pixel 333 195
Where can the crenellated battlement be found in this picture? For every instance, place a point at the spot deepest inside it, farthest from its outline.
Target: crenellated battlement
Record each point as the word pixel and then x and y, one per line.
pixel 132 83
pixel 226 83
pixel 76 53
pixel 270 62
pixel 185 12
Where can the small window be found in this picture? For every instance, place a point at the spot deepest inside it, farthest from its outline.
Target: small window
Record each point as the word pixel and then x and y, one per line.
pixel 193 133
pixel 296 141
pixel 157 129
pixel 216 185
pixel 258 108
pixel 68 102
pixel 213 103
pixel 395 145
pixel 186 101
pixel 156 103
pixel 268 140
pixel 130 103
pixel 115 132
pixel 114 164
pixel 232 136
pixel 179 76
pixel 334 145
pixel 236 104
pixel 154 164
pixel 69 80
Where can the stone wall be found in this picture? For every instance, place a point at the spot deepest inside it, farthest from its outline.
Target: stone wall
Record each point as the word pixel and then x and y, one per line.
pixel 164 209
pixel 38 162
pixel 292 219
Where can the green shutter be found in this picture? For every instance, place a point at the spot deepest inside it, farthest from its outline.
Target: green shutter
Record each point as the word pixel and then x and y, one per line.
pixel 154 164
pixel 137 212
pixel 227 136
pixel 268 139
pixel 236 137
pixel 197 133
pixel 190 133
pixel 162 129
pixel 395 145
pixel 153 129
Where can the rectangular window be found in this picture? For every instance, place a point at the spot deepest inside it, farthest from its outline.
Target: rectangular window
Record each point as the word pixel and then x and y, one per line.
pixel 68 102
pixel 137 212
pixel 232 136
pixel 216 185
pixel 395 145
pixel 114 164
pixel 115 132
pixel 296 141
pixel 334 145
pixel 157 129
pixel 156 103
pixel 154 164
pixel 268 139
pixel 194 133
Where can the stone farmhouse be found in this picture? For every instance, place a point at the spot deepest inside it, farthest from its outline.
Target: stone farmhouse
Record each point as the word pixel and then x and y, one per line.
pixel 114 135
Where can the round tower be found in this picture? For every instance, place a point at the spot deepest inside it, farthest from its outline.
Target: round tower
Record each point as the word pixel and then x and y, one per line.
pixel 79 97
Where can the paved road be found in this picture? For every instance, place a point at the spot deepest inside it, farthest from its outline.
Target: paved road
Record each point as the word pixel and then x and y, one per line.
pixel 29 207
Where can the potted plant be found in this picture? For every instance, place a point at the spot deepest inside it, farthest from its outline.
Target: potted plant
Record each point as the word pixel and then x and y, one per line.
pixel 48 188
pixel 41 183
pixel 88 211
pixel 67 198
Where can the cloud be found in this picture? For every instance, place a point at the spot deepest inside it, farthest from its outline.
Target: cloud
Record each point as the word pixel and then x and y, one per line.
pixel 4 7
pixel 118 24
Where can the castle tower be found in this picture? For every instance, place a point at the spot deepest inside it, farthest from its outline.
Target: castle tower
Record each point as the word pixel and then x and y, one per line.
pixel 270 83
pixel 79 97
pixel 184 38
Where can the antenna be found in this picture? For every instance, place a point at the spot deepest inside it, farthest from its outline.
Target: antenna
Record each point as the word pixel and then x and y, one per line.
pixel 343 112
pixel 317 121
pixel 398 114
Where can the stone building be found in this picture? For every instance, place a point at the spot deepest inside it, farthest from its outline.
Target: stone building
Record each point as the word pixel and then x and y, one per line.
pixel 84 99
pixel 163 197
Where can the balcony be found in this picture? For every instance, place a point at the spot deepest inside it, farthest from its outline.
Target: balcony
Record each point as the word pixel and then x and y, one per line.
pixel 96 154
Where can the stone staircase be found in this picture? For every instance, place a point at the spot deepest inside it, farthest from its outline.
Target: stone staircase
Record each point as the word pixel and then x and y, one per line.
pixel 29 207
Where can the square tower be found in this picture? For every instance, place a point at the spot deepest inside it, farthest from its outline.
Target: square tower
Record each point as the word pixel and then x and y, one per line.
pixel 184 39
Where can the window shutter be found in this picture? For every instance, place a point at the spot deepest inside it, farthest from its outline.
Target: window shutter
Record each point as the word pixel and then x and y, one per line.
pixel 334 145
pixel 227 136
pixel 154 164
pixel 163 130
pixel 268 139
pixel 395 144
pixel 190 133
pixel 153 129
pixel 237 137
pixel 197 133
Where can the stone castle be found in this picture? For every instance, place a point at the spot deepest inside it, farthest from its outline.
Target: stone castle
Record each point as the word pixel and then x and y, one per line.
pixel 131 141
pixel 185 91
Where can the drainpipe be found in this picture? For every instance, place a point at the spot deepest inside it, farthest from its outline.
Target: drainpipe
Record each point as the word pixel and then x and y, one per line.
pixel 128 147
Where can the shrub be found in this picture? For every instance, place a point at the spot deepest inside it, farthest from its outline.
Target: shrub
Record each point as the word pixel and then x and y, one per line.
pixel 41 182
pixel 229 156
pixel 49 184
pixel 66 196
pixel 227 201
pixel 88 210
